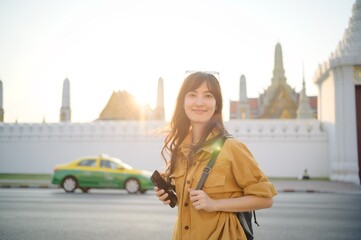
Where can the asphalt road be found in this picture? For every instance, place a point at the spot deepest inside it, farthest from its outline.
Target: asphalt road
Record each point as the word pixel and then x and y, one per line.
pixel 113 214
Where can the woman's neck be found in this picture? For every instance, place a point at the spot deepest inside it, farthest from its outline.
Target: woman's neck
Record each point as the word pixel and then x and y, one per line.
pixel 197 132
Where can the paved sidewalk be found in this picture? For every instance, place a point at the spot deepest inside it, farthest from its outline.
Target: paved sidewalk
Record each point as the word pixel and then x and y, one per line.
pixel 316 186
pixel 312 186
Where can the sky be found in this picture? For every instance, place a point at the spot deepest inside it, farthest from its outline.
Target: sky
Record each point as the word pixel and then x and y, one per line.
pixel 103 46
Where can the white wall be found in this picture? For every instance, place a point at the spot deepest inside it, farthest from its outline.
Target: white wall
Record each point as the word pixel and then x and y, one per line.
pixel 282 148
pixel 285 148
pixel 37 148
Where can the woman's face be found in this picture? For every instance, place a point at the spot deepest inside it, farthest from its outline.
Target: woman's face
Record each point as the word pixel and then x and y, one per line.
pixel 200 105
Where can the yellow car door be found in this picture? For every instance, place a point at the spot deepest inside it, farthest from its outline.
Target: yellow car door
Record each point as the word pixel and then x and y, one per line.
pixel 108 171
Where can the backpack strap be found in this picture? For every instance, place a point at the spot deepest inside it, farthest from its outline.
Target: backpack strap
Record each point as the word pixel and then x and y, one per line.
pixel 219 144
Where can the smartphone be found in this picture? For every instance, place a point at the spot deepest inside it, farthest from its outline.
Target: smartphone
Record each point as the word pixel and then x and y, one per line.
pixel 158 181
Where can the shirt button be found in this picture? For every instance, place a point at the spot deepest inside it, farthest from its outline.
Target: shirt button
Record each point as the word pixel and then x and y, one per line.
pixel 186 204
pixel 188 182
pixel 186 227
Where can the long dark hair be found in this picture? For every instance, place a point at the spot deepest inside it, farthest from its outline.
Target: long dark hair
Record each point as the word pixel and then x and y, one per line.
pixel 180 124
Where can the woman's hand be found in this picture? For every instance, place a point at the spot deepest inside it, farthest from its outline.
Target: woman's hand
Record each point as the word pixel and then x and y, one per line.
pixel 201 201
pixel 161 195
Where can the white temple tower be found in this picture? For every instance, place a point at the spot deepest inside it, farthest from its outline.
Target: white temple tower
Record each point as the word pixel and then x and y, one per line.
pixel 159 110
pixel 1 102
pixel 339 106
pixel 65 112
pixel 242 106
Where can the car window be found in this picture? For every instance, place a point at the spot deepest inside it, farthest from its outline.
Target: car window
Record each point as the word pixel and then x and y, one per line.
pixel 87 162
pixel 108 164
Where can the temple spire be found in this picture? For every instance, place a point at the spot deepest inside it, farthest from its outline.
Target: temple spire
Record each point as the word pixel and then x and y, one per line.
pixel 65 112
pixel 350 46
pixel 278 71
pixel 159 111
pixel 304 109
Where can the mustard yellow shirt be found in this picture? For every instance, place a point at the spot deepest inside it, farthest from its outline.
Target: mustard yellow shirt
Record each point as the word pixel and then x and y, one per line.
pixel 235 174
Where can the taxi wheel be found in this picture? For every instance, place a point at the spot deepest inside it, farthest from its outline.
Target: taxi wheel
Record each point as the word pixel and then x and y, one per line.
pixel 69 184
pixel 132 185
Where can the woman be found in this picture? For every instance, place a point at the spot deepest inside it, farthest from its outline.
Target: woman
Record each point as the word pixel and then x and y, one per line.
pixel 235 183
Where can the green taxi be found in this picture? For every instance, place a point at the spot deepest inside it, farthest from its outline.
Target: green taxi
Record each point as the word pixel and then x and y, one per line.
pixel 101 171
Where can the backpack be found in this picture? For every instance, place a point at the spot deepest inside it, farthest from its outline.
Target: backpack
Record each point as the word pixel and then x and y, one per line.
pixel 245 218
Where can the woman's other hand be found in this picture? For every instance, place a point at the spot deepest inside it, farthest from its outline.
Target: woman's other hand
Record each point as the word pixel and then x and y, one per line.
pixel 201 201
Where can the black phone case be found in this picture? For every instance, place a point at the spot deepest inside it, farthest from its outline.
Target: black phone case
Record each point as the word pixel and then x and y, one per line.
pixel 158 181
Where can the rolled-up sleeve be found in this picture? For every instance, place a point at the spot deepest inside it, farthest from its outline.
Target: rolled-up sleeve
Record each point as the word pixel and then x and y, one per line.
pixel 261 189
pixel 247 172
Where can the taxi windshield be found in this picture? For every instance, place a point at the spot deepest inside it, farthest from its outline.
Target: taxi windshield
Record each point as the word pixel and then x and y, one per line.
pixel 122 164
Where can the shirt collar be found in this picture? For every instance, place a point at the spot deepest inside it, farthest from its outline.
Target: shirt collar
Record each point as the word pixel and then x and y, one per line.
pixel 185 147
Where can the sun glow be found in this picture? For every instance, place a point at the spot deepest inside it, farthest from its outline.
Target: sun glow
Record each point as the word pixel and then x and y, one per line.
pixel 142 100
pixel 145 98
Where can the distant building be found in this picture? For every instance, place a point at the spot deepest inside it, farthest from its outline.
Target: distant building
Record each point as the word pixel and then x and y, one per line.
pixel 124 106
pixel 279 101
